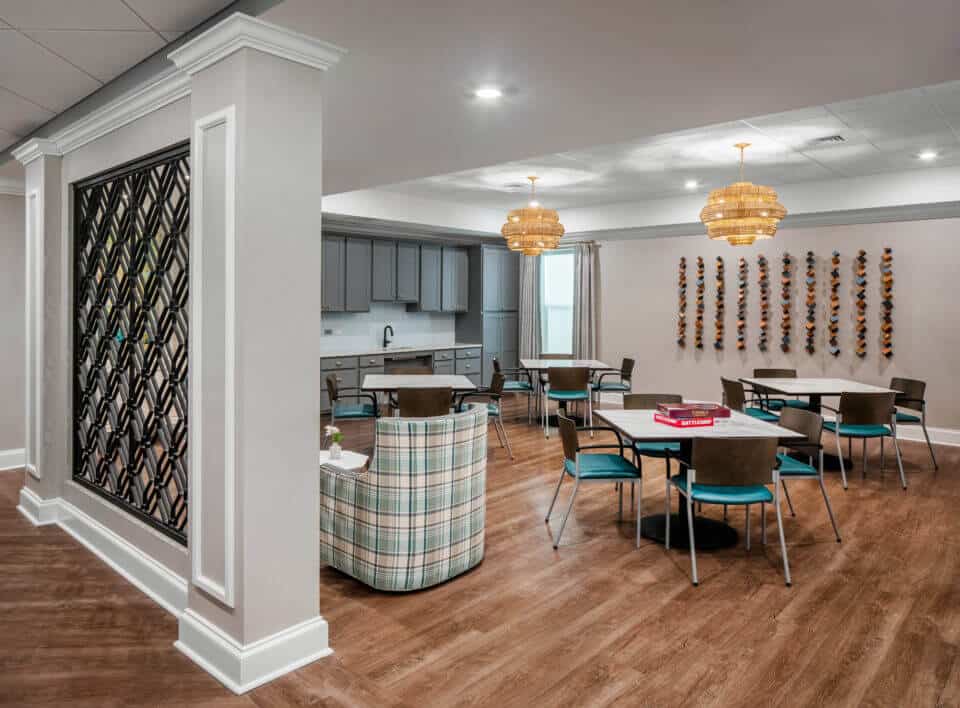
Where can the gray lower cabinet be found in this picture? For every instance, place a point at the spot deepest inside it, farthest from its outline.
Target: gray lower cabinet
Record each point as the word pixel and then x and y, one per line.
pixel 331 273
pixel 430 278
pixel 500 341
pixel 408 272
pixel 384 271
pixel 357 285
pixel 455 290
pixel 443 367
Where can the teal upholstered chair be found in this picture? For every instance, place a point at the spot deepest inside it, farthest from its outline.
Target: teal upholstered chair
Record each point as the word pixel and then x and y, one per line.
pixel 363 405
pixel 593 467
pixel 517 381
pixel 662 450
pixel 615 381
pixel 778 404
pixel 730 471
pixel 910 395
pixel 810 425
pixel 566 385
pixel 735 398
pixel 866 416
pixel 492 395
pixel 416 517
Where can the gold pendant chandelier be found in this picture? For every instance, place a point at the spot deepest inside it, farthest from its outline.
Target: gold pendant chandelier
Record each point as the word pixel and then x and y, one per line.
pixel 531 230
pixel 742 212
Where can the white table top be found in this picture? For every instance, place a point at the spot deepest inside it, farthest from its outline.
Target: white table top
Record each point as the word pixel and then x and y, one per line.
pixel 540 364
pixel 394 382
pixel 814 386
pixel 640 425
pixel 348 461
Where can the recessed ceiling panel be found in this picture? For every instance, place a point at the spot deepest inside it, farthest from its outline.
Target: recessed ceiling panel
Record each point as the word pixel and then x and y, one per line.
pixel 18 115
pixel 71 14
pixel 103 54
pixel 39 75
pixel 176 15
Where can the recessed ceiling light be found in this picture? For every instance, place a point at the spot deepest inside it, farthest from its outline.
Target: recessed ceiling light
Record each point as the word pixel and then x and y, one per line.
pixel 928 155
pixel 691 184
pixel 488 93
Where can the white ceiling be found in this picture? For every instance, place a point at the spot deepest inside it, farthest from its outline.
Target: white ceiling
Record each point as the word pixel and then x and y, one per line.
pixel 880 134
pixel 55 52
pixel 579 74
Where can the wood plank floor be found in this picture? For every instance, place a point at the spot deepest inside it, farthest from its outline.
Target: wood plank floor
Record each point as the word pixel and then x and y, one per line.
pixel 872 621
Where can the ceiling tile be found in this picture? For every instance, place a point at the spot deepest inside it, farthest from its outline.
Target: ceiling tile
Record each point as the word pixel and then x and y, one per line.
pixel 102 54
pixel 19 116
pixel 76 14
pixel 39 75
pixel 7 139
pixel 172 36
pixel 176 15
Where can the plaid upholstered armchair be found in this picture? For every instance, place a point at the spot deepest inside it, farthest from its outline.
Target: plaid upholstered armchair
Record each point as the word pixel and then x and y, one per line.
pixel 415 518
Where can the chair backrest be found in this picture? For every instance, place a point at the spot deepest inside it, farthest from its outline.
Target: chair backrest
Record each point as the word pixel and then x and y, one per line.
pixel 496 383
pixel 733 395
pixel 574 378
pixel 626 369
pixel 412 370
pixel 648 401
pixel 423 402
pixel 774 373
pixel 332 388
pixel 555 357
pixel 496 365
pixel 734 461
pixel 912 392
pixel 807 423
pixel 568 435
pixel 866 408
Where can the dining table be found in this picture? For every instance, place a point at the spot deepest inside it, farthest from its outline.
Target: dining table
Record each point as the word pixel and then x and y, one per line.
pixel 389 383
pixel 640 426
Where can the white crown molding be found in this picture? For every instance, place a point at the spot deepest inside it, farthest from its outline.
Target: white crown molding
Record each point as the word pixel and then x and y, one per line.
pixel 35 148
pixel 12 459
pixel 11 187
pixel 129 107
pixel 240 31
pixel 243 667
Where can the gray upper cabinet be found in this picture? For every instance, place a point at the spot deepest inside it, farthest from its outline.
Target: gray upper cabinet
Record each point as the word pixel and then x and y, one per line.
pixel 455 291
pixel 430 278
pixel 510 281
pixel 501 280
pixel 408 272
pixel 384 271
pixel 358 275
pixel 332 270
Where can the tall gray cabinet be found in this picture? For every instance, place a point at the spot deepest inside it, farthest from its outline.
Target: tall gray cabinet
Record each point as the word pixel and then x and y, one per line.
pixel 494 282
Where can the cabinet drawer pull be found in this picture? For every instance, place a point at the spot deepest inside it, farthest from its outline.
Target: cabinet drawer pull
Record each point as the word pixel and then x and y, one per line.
pixel 339 363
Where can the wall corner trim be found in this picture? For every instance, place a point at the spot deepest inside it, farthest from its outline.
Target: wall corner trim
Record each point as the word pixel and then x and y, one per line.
pixel 12 459
pixel 243 667
pixel 161 584
pixel 240 31
pixel 33 149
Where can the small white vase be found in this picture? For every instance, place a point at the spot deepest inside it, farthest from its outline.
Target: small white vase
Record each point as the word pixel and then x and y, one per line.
pixel 336 452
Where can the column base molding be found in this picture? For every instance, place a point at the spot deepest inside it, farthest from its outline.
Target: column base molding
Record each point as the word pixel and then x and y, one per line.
pixel 242 668
pixel 162 585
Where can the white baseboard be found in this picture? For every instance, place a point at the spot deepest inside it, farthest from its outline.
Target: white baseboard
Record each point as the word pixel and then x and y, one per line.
pixel 162 585
pixel 12 459
pixel 905 431
pixel 242 668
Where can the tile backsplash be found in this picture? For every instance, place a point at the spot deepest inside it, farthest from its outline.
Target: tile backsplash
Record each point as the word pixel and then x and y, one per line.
pixel 358 330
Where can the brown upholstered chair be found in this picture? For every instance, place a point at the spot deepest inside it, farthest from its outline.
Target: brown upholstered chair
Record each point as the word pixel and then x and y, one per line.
pixel 865 416
pixel 621 383
pixel 340 409
pixel 566 385
pixel 594 467
pixel 911 396
pixel 735 398
pixel 517 381
pixel 777 404
pixel 730 471
pixel 424 402
pixel 492 395
pixel 810 425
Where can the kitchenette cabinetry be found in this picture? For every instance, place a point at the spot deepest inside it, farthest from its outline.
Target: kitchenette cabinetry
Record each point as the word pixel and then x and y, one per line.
pixel 455 292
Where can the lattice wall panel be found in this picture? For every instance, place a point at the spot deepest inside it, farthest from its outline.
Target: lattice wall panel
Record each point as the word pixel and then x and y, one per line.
pixel 131 241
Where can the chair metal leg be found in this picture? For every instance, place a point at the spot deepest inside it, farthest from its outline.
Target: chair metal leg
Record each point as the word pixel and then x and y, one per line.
pixel 693 544
pixel 631 494
pixel 763 523
pixel 747 507
pixel 666 511
pixel 576 485
pixel 546 417
pixel 786 493
pixel 881 456
pixel 556 493
pixel 590 415
pixel 620 504
pixel 843 471
pixel 783 542
pixel 826 501
pixel 929 446
pixel 896 447
pixel 503 436
pixel 638 483
pixel 863 468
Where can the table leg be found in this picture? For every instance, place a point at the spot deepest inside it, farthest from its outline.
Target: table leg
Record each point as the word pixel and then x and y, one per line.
pixel 830 461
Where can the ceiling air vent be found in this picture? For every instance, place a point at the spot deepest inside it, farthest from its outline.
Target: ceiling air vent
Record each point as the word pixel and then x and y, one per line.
pixel 828 140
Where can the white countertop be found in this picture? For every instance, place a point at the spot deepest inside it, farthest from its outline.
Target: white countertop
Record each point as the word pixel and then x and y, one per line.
pixel 381 351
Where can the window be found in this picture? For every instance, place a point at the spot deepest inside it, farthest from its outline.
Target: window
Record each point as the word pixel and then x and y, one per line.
pixel 556 302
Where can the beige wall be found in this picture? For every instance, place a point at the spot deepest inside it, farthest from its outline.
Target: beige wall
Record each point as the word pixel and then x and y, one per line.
pixel 12 362
pixel 638 307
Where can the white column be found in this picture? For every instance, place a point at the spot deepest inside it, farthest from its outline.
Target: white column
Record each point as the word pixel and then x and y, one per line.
pixel 253 607
pixel 47 425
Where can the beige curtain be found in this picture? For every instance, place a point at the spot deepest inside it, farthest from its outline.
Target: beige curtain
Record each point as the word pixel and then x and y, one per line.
pixel 529 307
pixel 585 294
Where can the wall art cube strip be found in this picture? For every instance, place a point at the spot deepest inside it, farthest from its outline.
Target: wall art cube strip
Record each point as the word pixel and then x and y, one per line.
pixel 786 325
pixel 763 280
pixel 886 313
pixel 860 294
pixel 698 322
pixel 834 327
pixel 721 307
pixel 682 305
pixel 811 323
pixel 742 304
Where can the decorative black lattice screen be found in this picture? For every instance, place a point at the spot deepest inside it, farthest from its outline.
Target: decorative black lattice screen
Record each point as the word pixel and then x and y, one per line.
pixel 131 237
